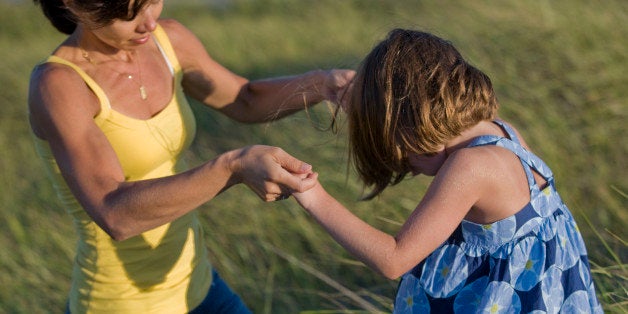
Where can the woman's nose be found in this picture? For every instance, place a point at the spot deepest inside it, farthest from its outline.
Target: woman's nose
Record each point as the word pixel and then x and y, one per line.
pixel 148 21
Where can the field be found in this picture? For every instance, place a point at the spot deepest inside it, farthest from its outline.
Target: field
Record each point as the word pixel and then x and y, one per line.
pixel 560 69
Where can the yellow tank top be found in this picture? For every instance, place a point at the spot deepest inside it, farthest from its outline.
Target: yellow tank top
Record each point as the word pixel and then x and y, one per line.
pixel 164 270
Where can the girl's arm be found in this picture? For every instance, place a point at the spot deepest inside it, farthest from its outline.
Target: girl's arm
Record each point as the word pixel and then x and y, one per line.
pixel 249 101
pixel 455 189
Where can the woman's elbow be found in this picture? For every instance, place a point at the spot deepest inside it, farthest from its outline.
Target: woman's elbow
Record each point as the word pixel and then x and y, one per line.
pixel 118 235
pixel 115 232
pixel 237 113
pixel 116 228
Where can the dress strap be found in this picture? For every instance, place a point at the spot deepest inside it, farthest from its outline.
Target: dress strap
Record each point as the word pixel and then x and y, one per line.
pixel 528 160
pixel 512 135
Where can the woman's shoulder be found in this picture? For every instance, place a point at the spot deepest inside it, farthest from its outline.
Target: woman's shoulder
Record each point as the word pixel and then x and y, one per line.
pixel 176 31
pixel 186 44
pixel 61 64
pixel 50 76
pixel 55 87
pixel 169 24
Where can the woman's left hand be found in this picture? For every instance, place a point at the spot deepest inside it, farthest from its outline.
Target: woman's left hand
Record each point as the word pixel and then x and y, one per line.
pixel 337 85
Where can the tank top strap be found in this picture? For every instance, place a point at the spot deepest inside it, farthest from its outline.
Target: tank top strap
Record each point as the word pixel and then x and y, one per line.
pixel 167 51
pixel 529 161
pixel 105 105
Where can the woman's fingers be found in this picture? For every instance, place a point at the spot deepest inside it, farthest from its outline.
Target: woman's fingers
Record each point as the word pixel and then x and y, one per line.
pixel 272 173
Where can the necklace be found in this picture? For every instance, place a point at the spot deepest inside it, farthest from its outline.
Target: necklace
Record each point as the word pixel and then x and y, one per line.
pixel 129 76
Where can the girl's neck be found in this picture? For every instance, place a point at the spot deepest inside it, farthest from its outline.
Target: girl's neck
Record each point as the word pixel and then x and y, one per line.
pixel 485 127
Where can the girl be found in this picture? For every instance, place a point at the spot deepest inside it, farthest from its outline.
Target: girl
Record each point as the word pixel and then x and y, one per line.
pixel 491 233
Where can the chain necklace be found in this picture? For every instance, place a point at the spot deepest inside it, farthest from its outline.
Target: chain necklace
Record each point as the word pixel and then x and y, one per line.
pixel 129 76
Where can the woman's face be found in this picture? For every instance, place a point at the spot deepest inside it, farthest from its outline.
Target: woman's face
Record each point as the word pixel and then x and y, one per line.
pixel 427 164
pixel 126 35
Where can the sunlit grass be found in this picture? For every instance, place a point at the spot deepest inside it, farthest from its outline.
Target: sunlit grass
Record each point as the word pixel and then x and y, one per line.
pixel 559 68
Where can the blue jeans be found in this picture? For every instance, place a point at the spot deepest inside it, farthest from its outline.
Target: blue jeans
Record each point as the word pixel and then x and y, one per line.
pixel 219 300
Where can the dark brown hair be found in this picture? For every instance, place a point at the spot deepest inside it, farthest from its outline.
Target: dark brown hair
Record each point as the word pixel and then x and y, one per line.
pixel 413 92
pixel 99 12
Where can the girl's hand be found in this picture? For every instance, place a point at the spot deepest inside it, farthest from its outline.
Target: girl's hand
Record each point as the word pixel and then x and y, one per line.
pixel 308 199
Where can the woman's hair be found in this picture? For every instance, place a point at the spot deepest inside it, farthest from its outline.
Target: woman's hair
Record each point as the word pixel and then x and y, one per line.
pixel 98 12
pixel 413 92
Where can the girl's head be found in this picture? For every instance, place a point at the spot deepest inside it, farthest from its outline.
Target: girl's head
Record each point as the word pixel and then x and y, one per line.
pixel 412 94
pixel 65 14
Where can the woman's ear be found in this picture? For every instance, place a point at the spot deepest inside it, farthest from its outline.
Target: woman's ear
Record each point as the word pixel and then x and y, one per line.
pixel 69 5
pixel 74 13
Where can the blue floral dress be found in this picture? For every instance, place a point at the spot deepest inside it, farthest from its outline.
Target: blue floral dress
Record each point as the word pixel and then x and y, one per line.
pixel 534 261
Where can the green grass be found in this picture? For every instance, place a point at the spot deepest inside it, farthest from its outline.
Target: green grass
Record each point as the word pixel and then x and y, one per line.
pixel 559 68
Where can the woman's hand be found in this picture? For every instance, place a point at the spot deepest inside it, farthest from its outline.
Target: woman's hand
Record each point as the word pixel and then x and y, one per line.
pixel 337 86
pixel 270 172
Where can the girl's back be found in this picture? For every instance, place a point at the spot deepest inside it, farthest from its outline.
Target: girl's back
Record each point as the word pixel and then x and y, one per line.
pixel 532 259
pixel 505 187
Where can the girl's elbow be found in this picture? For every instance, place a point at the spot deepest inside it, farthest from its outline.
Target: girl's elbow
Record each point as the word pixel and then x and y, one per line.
pixel 391 274
pixel 391 271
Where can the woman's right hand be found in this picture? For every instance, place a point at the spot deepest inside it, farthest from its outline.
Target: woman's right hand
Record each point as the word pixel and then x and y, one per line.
pixel 270 172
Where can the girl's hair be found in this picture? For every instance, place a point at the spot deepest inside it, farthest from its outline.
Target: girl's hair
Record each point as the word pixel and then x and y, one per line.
pixel 413 92
pixel 99 12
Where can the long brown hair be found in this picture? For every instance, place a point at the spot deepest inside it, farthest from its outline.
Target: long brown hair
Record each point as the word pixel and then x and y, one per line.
pixel 99 12
pixel 413 92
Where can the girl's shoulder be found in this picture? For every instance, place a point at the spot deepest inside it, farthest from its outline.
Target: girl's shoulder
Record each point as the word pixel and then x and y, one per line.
pixel 478 157
pixel 488 162
pixel 471 170
pixel 495 175
pixel 485 156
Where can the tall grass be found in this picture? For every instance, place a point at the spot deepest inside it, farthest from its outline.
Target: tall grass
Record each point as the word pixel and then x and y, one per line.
pixel 559 67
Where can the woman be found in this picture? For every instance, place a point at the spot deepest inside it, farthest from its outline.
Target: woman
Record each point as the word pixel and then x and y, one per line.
pixel 110 120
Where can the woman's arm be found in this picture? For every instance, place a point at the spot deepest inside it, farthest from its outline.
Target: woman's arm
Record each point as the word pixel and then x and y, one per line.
pixel 244 100
pixel 64 118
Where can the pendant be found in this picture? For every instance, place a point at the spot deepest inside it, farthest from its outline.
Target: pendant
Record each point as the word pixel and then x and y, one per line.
pixel 143 93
